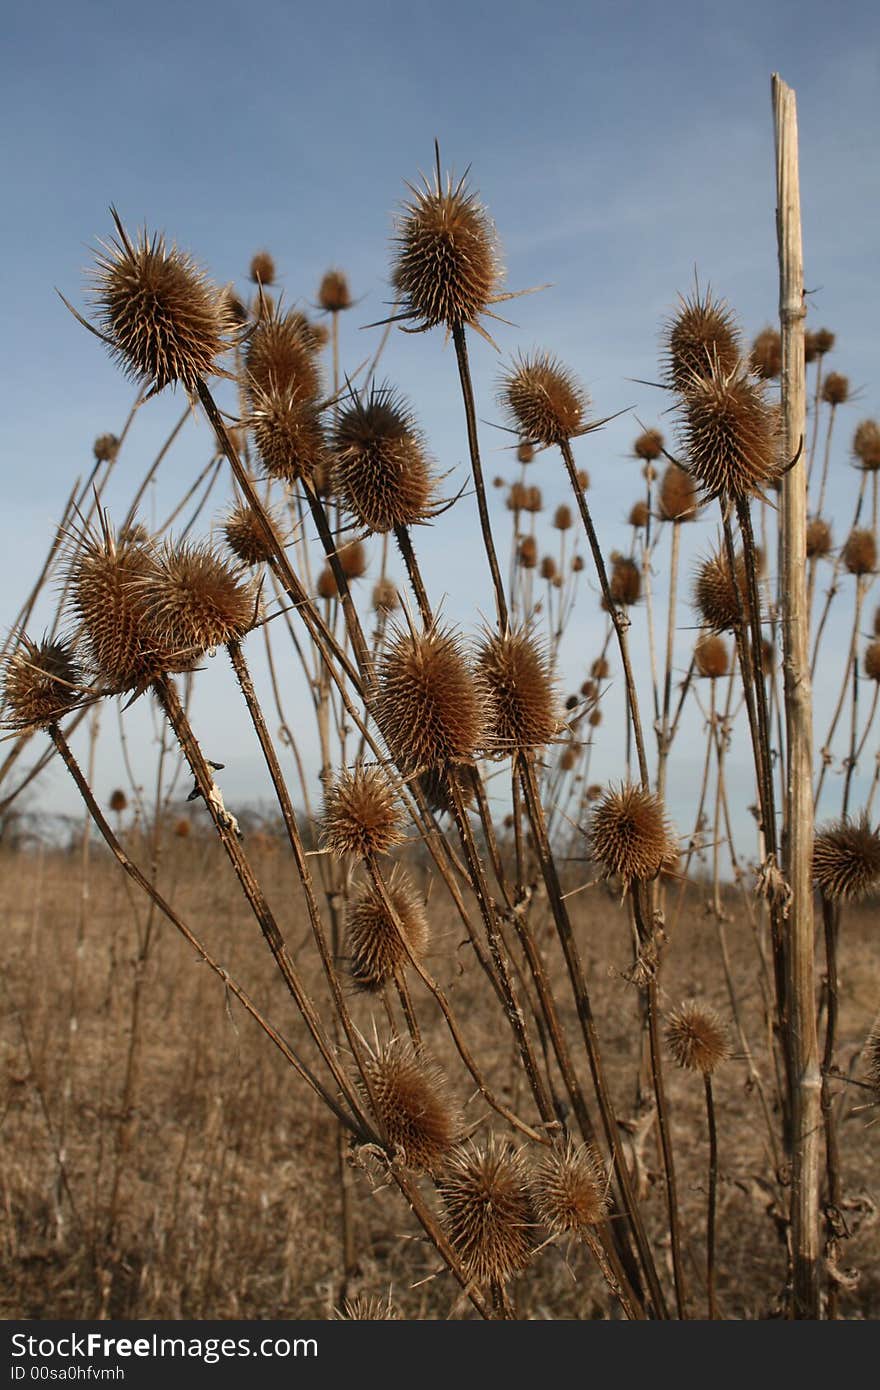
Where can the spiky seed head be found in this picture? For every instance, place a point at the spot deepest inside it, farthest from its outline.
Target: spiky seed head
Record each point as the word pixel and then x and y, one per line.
pixel 715 592
pixel 413 1105
pixel 367 1308
pixel 638 516
pixel 105 448
pixel 624 581
pixel 711 657
pixel 436 787
pixel 835 389
pixel 488 1214
pixel 768 657
pixel 516 497
pixel 567 759
pixel 594 791
pixel 376 952
pixel 325 586
pixel 678 495
pixel 543 399
pixel 446 265
pixel 192 601
pixel 730 432
pixel 118 801
pixel 431 707
pixel 872 1057
pixel 569 1189
pixel 860 552
pixel 362 814
pixel 533 501
pixel 629 833
pixel 381 471
pixel 871 663
pixel 245 538
pixel 866 445
pixel 41 683
pixel 280 357
pixel 819 539
pixel 700 337
pixel 562 518
pixel 385 596
pixel 163 319
pixel 846 859
pixel 352 556
pixel 106 584
pixel 765 358
pixel 589 690
pixel 525 451
pixel 600 669
pixel 528 552
pixel 577 563
pixel 262 269
pixel 696 1037
pixel 520 694
pixel 583 479
pixel 824 340
pixel 288 434
pixel 649 445
pixel 234 307
pixel 333 292
pixel 548 567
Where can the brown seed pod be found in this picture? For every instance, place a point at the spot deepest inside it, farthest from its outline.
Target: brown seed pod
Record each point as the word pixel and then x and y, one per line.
pixel 730 433
pixel 288 434
pixel 431 708
pixel 860 552
pixel 41 683
pixel 649 445
pixel 711 657
pixel 262 270
pixel 532 501
pixel 517 497
pixel 594 791
pixel 835 389
pixel 583 479
pixel 871 663
pixel 866 445
pixel 326 584
pixel 525 451
pixel 352 556
pixel 678 495
pixel 700 338
pixel 519 690
pixel 594 719
pixel 361 813
pixel 163 320
pixel 810 350
pixel 543 399
pixel 696 1037
pixel 562 518
pixel 638 516
pixel 333 293
pixel 385 596
pixel 118 801
pixel 765 358
pixel 577 563
pixel 244 535
pixel 624 581
pixel 488 1214
pixel 548 567
pixel 381 472
pixel 413 1105
pixel 191 601
pixel 376 952
pixel 715 594
pixel 528 552
pixel 600 669
pixel 589 690
pixel 846 859
pixel 567 759
pixel 280 357
pixel 819 539
pixel 629 834
pixel 569 1189
pixel 824 341
pixel 105 580
pixel 105 448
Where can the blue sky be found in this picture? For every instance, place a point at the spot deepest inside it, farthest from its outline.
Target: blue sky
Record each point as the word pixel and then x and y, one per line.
pixel 617 146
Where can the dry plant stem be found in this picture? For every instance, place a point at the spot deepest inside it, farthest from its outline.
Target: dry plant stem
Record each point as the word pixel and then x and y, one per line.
pixel 404 544
pixel 851 661
pixel 588 1027
pixel 713 1193
pixel 467 391
pixel 116 849
pixel 833 1215
pixel 620 622
pixel 153 469
pixel 833 587
pixel 803 1045
pixel 831 414
pixel 751 563
pixel 352 621
pixel 665 731
pixel 649 611
pixel 435 1234
pixel 852 757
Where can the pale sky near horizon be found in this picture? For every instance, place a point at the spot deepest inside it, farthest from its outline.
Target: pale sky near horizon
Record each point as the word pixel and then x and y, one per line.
pixel 619 147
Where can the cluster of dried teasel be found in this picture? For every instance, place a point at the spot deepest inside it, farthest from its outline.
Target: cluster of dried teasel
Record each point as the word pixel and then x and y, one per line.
pixel 411 717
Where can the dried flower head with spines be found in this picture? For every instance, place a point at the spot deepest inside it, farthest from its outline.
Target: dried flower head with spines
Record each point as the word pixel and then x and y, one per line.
pixel 624 581
pixel 835 389
pixel 381 471
pixel 333 293
pixel 866 445
pixel 521 700
pixel 648 445
pixel 362 814
pixel 819 540
pixel 191 601
pixel 711 657
pixel 638 516
pixel 562 518
pixel 823 340
pixel 106 579
pixel 246 538
pixel 367 1308
pixel 105 448
pixel 488 1214
pixel 385 596
pixel 860 551
pixel 352 557
pixel 376 951
pixel 431 708
pixel 411 1095
pixel 677 500
pixel 629 833
pixel 700 338
pixel 528 552
pixel 730 432
pixel 846 859
pixel 569 1189
pixel 41 683
pixel 280 358
pixel 715 593
pixel 288 434
pixel 696 1037
pixel 871 661
pixel 262 268
pixel 765 358
pixel 545 402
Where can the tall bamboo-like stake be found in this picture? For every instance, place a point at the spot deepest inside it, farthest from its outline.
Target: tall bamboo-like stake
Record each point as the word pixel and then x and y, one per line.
pixel 800 964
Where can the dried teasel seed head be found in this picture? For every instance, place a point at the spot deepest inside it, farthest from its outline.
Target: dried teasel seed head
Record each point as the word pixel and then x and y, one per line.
pixel 577 563
pixel 245 537
pixel 528 552
pixel 649 445
pixel 846 859
pixel 41 683
pixel 431 708
pixel 699 338
pixel 567 759
pixel 280 359
pixel 629 833
pixel 677 500
pixel 377 953
pixel 768 657
pixel 326 584
pixel 352 556
pixel 696 1037
pixel 872 1058
pixel 860 552
pixel 589 690
pixel 543 399
pixel 819 539
pixel 262 269
pixel 333 293
pixel 413 1105
pixel 765 358
pixel 191 601
pixel 163 320
pixel 385 596
pixel 288 434
pixel 517 497
pixel 638 516
pixel 835 389
pixel 518 680
pixel 381 471
pixel 583 479
pixel 715 593
pixel 711 657
pixel 105 448
pixel 532 500
pixel 106 579
pixel 548 567
pixel 624 581
pixel 871 662
pixel 362 814
pixel 525 451
pixel 730 433
pixel 824 340
pixel 118 801
pixel 866 445
pixel 367 1308
pixel 594 791
pixel 562 518
pixel 600 669
pixel 569 1189
pixel 488 1214
pixel 234 307
pixel 446 266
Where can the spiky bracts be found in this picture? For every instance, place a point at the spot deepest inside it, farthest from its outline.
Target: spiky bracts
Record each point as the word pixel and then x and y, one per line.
pixel 866 445
pixel 413 1104
pixel 281 356
pixel 696 1037
pixel 163 320
pixel 430 707
pixel 730 432
pixel 711 657
pixel 381 470
pixel 362 815
pixel 488 1214
pixel 569 1189
pixel 629 834
pixel 700 336
pixel 819 540
pixel 846 859
pixel 648 446
pixel 545 402
pixel 715 592
pixel 765 358
pixel 246 538
pixel 333 293
pixel 288 433
pixel 41 683
pixel 521 700
pixel 262 268
pixel 377 952
pixel 859 553
pixel 367 1308
pixel 677 500
pixel 191 601
pixel 104 584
